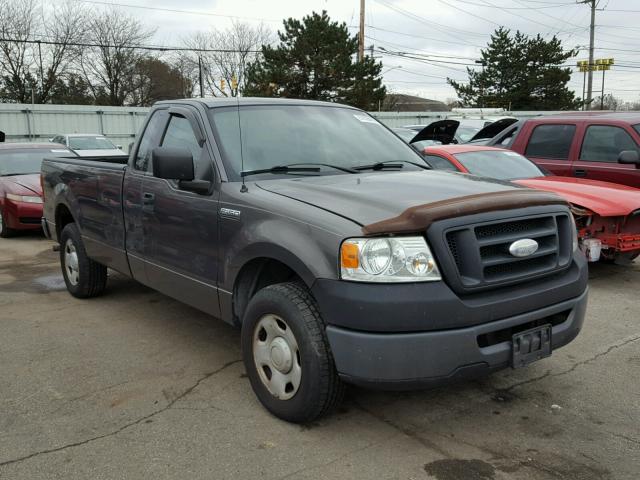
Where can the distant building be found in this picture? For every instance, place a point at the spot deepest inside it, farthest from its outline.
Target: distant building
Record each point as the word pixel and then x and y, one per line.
pixel 398 102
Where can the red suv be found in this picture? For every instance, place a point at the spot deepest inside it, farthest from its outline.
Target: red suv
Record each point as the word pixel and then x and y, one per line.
pixel 599 146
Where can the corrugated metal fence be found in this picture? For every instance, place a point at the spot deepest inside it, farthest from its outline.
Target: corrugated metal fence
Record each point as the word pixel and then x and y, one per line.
pixel 28 123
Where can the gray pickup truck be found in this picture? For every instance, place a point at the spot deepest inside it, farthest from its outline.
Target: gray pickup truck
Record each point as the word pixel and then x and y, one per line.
pixel 324 237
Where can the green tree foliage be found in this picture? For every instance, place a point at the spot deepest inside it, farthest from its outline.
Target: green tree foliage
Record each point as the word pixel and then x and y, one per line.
pixel 315 59
pixel 520 72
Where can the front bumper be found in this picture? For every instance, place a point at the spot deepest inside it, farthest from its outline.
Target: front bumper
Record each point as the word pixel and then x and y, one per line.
pixel 413 360
pixel 412 335
pixel 22 216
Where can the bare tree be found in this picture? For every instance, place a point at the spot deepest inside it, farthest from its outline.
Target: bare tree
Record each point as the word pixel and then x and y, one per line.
pixel 38 47
pixel 18 23
pixel 234 49
pixel 110 66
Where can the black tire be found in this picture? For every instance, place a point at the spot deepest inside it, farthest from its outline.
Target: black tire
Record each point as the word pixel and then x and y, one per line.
pixel 320 389
pixel 91 277
pixel 5 232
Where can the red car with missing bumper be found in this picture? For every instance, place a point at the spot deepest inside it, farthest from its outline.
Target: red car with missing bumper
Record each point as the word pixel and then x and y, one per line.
pixel 604 211
pixel 20 190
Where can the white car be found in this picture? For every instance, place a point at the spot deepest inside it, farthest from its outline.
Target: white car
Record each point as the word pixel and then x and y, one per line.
pixel 89 145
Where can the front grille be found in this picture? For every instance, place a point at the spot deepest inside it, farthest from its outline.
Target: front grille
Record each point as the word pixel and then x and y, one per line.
pixel 481 254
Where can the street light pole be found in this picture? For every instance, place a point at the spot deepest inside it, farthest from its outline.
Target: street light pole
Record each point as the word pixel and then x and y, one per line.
pixel 481 62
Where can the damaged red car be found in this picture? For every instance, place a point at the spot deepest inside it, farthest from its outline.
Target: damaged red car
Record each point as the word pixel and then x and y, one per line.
pixel 20 189
pixel 607 214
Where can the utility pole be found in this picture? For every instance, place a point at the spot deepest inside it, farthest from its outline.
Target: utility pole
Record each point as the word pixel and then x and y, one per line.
pixel 592 31
pixel 361 33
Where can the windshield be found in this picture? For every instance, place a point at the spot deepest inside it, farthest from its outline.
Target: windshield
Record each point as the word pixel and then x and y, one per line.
pixel 90 143
pixel 277 135
pixel 26 161
pixel 466 133
pixel 500 164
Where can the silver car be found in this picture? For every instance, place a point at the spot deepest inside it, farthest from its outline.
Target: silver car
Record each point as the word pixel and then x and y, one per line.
pixel 89 145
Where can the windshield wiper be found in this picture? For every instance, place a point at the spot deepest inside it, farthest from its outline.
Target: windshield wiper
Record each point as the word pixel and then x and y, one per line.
pixel 390 164
pixel 337 167
pixel 16 174
pixel 279 169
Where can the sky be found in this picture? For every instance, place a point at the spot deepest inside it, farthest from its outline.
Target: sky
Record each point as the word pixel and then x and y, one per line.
pixel 450 32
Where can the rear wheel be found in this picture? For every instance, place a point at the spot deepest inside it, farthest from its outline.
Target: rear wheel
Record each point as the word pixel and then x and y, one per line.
pixel 287 356
pixel 5 231
pixel 84 277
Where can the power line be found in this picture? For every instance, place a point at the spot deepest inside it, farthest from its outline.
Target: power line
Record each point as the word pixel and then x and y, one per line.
pixel 137 47
pixel 176 10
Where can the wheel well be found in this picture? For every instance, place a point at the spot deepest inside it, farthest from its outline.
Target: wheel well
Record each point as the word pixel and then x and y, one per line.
pixel 255 275
pixel 63 217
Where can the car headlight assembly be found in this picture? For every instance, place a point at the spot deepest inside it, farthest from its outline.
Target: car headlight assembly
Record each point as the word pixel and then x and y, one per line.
pixel 24 198
pixel 387 260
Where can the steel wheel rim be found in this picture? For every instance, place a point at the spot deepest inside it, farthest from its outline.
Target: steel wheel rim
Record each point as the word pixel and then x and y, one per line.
pixel 276 356
pixel 71 266
pixel 1 222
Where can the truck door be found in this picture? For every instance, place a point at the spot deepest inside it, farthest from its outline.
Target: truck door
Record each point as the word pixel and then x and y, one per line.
pixel 139 168
pixel 549 146
pixel 599 152
pixel 181 227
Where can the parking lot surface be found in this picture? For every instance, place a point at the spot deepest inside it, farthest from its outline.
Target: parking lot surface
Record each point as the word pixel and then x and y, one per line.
pixel 136 385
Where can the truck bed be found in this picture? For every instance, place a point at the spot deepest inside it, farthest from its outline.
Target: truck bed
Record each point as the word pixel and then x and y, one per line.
pixel 91 188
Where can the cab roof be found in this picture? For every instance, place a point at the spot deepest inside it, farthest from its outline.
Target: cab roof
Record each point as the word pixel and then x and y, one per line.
pixel 215 102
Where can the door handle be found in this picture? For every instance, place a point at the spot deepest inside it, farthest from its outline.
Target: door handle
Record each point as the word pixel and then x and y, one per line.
pixel 148 198
pixel 580 173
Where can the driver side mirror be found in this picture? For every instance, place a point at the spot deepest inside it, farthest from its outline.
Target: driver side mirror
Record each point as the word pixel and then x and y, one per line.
pixel 629 156
pixel 176 163
pixel 172 163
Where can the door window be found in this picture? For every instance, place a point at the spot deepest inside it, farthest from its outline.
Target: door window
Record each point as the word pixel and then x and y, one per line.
pixel 551 141
pixel 149 140
pixel 603 143
pixel 180 134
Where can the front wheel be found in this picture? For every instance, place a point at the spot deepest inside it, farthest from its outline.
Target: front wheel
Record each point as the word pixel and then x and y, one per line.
pixel 84 277
pixel 287 356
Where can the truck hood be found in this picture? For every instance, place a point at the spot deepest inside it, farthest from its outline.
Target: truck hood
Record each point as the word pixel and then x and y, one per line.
pixel 441 131
pixel 373 197
pixel 604 198
pixel 30 182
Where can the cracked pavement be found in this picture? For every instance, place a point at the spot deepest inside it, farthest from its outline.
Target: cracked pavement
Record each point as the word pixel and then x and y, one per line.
pixel 136 385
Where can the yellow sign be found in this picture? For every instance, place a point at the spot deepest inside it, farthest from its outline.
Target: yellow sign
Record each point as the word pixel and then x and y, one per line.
pixel 223 84
pixel 234 82
pixel 599 64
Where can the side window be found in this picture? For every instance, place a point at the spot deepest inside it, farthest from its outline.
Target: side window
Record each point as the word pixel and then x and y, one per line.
pixel 551 141
pixel 180 134
pixel 603 143
pixel 440 163
pixel 149 140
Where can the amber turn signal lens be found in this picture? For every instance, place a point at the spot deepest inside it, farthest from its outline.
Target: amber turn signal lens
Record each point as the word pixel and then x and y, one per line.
pixel 349 255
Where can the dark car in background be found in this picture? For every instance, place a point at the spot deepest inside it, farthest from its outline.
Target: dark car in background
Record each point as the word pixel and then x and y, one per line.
pixel 20 189
pixel 599 146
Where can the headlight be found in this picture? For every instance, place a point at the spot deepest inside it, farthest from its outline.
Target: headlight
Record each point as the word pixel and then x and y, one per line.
pixel 574 233
pixel 24 198
pixel 387 260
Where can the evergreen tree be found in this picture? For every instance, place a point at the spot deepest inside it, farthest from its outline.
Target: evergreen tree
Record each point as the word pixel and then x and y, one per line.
pixel 316 60
pixel 520 73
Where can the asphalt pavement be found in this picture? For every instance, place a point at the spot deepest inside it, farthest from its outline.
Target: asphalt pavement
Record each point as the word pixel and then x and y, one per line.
pixel 135 385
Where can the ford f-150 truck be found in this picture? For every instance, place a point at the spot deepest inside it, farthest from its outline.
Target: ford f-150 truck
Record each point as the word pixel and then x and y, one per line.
pixel 338 261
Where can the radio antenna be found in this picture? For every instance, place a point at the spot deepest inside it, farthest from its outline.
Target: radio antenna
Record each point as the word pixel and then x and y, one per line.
pixel 234 86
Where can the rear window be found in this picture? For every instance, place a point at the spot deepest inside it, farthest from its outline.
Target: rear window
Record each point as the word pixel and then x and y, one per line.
pixel 551 141
pixel 90 143
pixel 637 127
pixel 500 164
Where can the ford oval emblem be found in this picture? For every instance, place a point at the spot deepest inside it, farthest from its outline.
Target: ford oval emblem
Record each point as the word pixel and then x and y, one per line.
pixel 523 248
